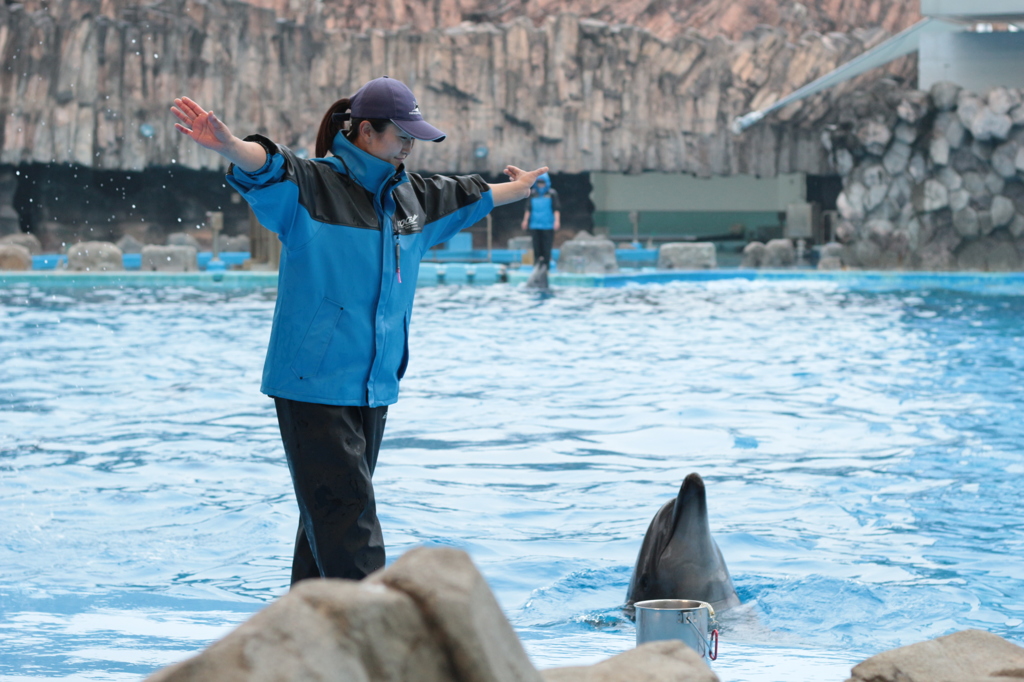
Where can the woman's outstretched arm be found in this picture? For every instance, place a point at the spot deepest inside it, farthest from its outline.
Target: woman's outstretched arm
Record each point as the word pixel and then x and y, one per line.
pixel 210 132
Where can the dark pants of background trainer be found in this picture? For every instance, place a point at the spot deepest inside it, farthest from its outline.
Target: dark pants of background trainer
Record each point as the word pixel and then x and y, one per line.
pixel 542 241
pixel 332 452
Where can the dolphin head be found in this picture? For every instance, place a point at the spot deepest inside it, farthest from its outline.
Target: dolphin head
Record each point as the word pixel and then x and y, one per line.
pixel 678 558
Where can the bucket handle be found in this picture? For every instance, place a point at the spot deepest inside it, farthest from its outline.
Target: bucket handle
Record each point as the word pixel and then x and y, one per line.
pixel 713 637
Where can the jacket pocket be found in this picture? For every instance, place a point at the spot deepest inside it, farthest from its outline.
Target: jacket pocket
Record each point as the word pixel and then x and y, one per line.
pixel 314 344
pixel 405 351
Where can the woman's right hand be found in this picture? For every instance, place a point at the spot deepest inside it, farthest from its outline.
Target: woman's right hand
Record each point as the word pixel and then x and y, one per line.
pixel 202 126
pixel 209 131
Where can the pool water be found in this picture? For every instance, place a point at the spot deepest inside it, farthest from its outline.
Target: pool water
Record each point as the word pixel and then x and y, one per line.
pixel 862 454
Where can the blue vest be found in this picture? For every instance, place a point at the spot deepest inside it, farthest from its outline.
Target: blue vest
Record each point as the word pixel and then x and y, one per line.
pixel 542 213
pixel 350 226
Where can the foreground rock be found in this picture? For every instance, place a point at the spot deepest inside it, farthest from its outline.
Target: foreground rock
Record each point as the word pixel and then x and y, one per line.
pixel 429 617
pixel 687 256
pixel 29 241
pixel 651 662
pixel 15 257
pixel 968 656
pixel 169 259
pixel 587 254
pixel 95 257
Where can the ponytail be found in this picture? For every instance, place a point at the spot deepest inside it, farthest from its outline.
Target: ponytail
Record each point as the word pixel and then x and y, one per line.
pixel 330 126
pixel 333 122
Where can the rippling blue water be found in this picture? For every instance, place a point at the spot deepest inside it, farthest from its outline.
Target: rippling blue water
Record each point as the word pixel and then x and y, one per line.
pixel 862 453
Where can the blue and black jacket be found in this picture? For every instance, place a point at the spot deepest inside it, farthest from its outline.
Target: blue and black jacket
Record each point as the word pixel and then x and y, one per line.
pixel 353 230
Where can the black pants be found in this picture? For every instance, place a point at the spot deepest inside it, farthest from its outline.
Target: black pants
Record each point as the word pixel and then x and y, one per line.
pixel 332 452
pixel 542 241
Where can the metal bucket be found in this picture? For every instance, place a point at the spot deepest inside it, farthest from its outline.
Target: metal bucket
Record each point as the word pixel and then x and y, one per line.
pixel 684 619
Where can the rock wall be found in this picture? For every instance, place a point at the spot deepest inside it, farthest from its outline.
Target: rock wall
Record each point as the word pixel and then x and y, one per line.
pixel 934 181
pixel 665 19
pixel 89 82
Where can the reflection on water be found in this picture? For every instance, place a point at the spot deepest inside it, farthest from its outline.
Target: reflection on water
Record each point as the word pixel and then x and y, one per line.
pixel 861 451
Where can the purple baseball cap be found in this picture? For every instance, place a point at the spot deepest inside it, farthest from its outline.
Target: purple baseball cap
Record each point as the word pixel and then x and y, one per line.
pixel 392 99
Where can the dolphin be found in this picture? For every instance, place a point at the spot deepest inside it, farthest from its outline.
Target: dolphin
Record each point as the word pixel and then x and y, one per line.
pixel 678 558
pixel 539 277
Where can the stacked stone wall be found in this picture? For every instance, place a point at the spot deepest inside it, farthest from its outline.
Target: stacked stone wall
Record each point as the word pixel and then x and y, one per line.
pixel 933 181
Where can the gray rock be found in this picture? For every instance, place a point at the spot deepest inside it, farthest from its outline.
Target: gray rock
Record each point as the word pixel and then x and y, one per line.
pixel 520 243
pixel 966 222
pixel 996 253
pixel 455 599
pixel 851 201
pixel 931 195
pixel 905 133
pixel 913 106
pixel 874 135
pixel 94 257
pixel 664 661
pixel 944 95
pixel 182 239
pixel 687 256
pixel 901 190
pixel 830 263
pixel 886 209
pixel 15 257
pixel 325 630
pixel 898 157
pixel 948 125
pixel 169 258
pixel 843 161
pixel 867 253
pixel 983 150
pixel 846 231
pixel 779 253
pixel 988 125
pixel 26 239
pixel 985 225
pixel 968 106
pixel 1003 211
pixel 873 175
pixel 880 230
pixel 586 253
pixel 1001 100
pixel 876 195
pixel 832 250
pixel 1004 159
pixel 913 230
pixel 1016 226
pixel 959 199
pixel 1018 160
pixel 938 150
pixel 950 178
pixel 1017 115
pixel 918 167
pixel 236 244
pixel 994 183
pixel 129 244
pixel 975 184
pixel 963 161
pixel 753 255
